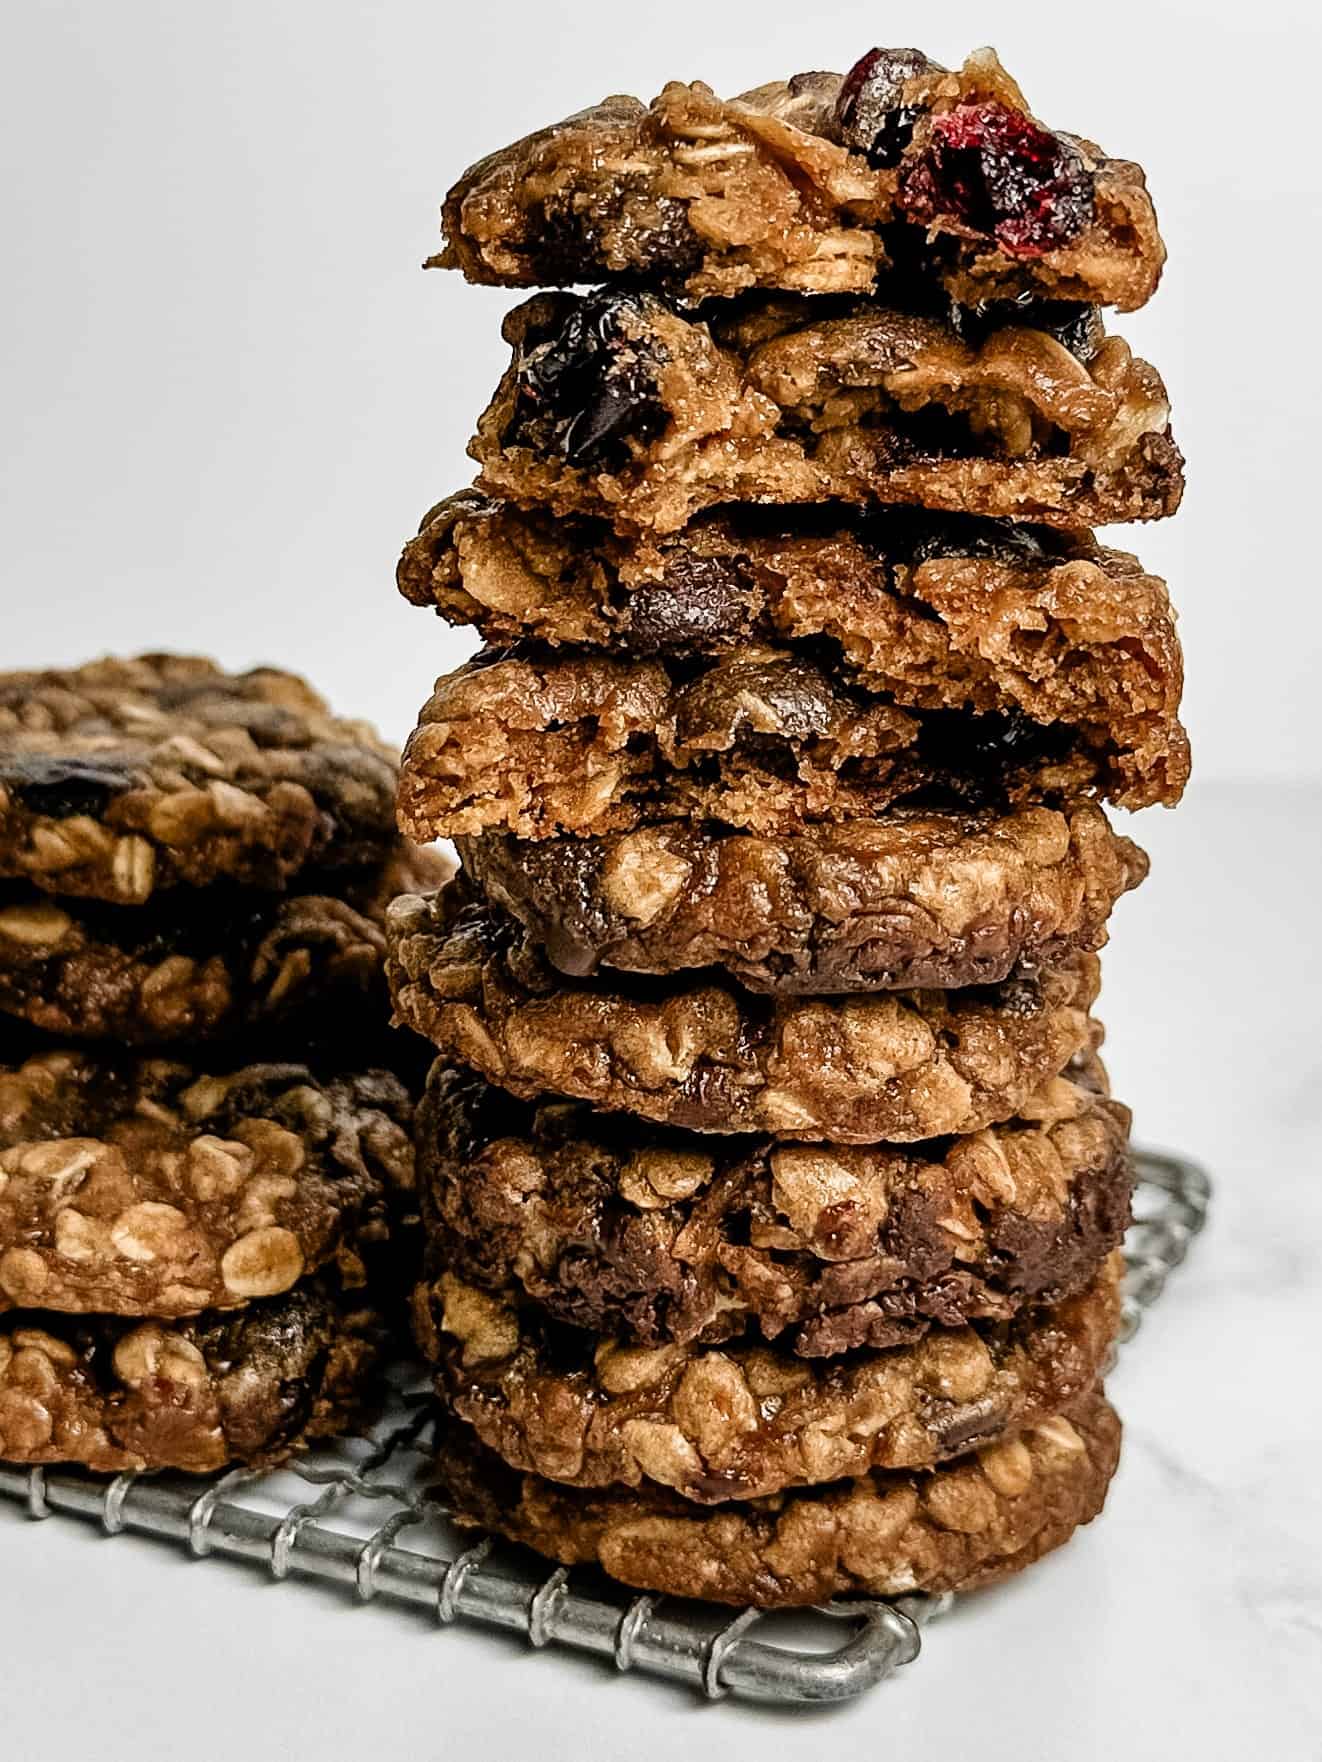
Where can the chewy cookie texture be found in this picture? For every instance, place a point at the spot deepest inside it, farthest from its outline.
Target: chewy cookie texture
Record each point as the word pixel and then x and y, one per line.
pixel 705 1054
pixel 817 184
pixel 207 1193
pixel 652 1237
pixel 886 1534
pixel 742 1421
pixel 934 612
pixel 618 405
pixel 770 1181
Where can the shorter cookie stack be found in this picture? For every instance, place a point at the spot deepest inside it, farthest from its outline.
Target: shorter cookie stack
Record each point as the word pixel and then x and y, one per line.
pixel 205 1157
pixel 772 1186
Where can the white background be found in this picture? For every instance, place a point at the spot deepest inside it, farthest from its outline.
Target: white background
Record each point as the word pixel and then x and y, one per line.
pixel 228 394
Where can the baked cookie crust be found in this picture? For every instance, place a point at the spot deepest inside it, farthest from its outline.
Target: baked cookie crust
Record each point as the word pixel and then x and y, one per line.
pixel 911 900
pixel 147 1187
pixel 955 1528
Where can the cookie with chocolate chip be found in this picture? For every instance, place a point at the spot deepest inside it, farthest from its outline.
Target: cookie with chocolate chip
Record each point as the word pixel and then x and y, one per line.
pixel 620 406
pixel 744 1421
pixel 252 1388
pixel 654 1237
pixel 704 1054
pixel 934 612
pixel 911 900
pixel 822 184
pixel 124 777
pixel 884 1534
pixel 148 1187
pixel 204 964
pixel 765 740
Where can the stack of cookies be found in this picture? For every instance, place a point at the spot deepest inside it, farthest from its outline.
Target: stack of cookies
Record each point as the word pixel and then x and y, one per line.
pixel 205 1156
pixel 771 1179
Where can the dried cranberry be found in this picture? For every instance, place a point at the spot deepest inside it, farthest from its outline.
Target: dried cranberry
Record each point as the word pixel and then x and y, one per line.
pixel 591 386
pixel 994 171
pixel 869 111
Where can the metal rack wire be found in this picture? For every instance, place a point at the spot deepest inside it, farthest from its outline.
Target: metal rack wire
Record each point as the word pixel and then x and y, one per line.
pixel 359 1515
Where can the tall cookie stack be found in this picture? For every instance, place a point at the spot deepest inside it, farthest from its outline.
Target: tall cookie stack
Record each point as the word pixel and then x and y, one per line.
pixel 205 1161
pixel 772 1182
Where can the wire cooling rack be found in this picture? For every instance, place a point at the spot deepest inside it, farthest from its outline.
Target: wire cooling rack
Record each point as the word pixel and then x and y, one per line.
pixel 359 1515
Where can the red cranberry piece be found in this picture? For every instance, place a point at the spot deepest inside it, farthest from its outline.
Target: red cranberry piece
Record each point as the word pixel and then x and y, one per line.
pixel 994 171
pixel 868 111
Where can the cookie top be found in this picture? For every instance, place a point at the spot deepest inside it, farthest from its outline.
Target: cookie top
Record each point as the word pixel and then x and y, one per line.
pixel 653 1236
pixel 743 1421
pixel 617 405
pixel 886 1534
pixel 764 739
pixel 711 1057
pixel 819 184
pixel 252 1388
pixel 126 776
pixel 204 964
pixel 910 900
pixel 143 1187
pixel 937 612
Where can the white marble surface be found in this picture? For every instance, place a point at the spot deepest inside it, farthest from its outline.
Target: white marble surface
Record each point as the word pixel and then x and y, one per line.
pixel 1186 1624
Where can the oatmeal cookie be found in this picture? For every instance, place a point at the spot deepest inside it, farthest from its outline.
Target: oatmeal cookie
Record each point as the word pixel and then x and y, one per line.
pixel 203 963
pixel 763 739
pixel 935 612
pixel 820 184
pixel 617 405
pixel 743 1421
pixel 912 900
pixel 886 1534
pixel 653 1236
pixel 253 1388
pixel 143 1187
pixel 126 776
pixel 710 1057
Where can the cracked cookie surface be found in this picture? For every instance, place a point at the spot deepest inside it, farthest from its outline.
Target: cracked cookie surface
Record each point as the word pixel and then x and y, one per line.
pixel 912 900
pixel 202 964
pixel 252 1388
pixel 710 1057
pixel 126 776
pixel 820 184
pixel 145 1187
pixel 618 406
pixel 653 1236
pixel 742 1421
pixel 886 1534
pixel 936 612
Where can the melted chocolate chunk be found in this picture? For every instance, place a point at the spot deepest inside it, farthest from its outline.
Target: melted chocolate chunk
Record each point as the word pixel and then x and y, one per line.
pixel 1077 328
pixel 870 112
pixel 590 387
pixel 699 599
pixel 61 788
